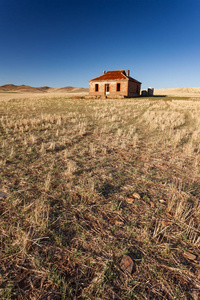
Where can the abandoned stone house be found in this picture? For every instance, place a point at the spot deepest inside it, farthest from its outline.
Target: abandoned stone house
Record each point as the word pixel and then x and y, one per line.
pixel 114 84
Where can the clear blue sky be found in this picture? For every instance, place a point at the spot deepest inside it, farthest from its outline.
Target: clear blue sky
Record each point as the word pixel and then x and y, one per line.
pixel 60 43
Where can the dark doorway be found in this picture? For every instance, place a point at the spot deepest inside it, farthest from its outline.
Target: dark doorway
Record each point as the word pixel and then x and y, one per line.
pixel 107 89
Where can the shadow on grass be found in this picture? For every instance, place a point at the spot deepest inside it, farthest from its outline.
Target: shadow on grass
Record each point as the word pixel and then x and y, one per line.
pixel 108 189
pixel 154 96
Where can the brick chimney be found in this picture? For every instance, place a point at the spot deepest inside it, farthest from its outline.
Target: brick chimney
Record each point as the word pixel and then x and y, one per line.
pixel 104 72
pixel 128 72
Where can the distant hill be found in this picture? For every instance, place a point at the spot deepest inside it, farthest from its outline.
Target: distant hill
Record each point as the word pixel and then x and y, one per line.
pixel 179 92
pixel 43 89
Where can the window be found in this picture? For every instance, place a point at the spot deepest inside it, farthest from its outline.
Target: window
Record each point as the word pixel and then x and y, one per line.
pixel 96 87
pixel 118 87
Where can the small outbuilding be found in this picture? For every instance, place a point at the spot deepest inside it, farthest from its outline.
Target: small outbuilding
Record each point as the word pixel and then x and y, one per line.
pixel 114 84
pixel 148 92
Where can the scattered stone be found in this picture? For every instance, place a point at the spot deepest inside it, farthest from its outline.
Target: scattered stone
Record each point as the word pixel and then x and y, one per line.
pixel 189 255
pixel 166 223
pixel 3 195
pixel 118 222
pixel 95 279
pixel 77 97
pixel 152 204
pixel 162 201
pixel 129 200
pixel 136 196
pixel 127 264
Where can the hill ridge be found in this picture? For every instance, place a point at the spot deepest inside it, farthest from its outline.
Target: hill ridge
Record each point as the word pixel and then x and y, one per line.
pixel 43 89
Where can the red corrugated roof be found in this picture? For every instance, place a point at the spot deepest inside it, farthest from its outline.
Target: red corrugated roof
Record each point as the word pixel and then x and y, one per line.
pixel 111 75
pixel 114 75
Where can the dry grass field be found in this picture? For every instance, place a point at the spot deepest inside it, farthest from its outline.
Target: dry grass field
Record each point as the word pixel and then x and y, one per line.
pixel 88 181
pixel 179 92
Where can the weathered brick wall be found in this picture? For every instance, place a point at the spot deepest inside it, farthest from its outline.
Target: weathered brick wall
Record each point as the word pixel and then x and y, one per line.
pixel 92 88
pixel 113 88
pixel 133 89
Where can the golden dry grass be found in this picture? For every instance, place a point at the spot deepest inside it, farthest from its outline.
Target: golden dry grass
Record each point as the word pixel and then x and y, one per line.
pixel 179 92
pixel 91 180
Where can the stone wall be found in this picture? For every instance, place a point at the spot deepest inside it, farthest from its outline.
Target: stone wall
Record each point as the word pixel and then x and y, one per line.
pixel 112 88
pixel 133 89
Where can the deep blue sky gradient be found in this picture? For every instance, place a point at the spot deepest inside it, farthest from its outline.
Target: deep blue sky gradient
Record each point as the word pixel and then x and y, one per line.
pixel 60 43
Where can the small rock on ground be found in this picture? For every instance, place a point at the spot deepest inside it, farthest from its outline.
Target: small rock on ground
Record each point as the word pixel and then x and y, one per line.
pixel 136 196
pixel 189 255
pixel 127 264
